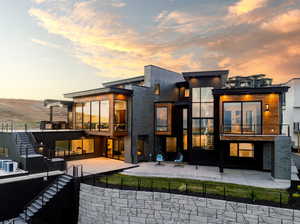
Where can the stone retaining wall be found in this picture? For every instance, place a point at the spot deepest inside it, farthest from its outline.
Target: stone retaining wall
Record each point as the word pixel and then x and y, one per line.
pixel 105 205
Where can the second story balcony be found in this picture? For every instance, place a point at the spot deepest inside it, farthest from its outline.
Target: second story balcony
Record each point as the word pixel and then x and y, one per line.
pixel 255 129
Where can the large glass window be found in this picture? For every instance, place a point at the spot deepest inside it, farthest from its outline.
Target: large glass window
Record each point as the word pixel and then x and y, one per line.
pixel 95 115
pixel 87 115
pixel 104 113
pixel 62 148
pixel 88 146
pixel 245 150
pixel 242 118
pixel 120 122
pixel 78 116
pixel 185 128
pixel 171 144
pixel 202 121
pixel 161 118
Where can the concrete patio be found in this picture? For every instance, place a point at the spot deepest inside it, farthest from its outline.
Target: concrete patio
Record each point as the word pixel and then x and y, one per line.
pixel 99 165
pixel 209 173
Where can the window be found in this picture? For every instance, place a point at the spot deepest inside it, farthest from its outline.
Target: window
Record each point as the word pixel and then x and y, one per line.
pixel 70 119
pixel 186 92
pixel 120 122
pixel 243 150
pixel 242 117
pixel 161 118
pixel 95 115
pixel 88 146
pixel 104 113
pixel 157 89
pixel 78 116
pixel 3 152
pixel 185 129
pixel 202 121
pixel 87 115
pixel 62 148
pixel 171 144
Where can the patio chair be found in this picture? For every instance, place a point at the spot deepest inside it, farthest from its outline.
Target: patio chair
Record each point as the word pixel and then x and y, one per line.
pixel 179 160
pixel 159 159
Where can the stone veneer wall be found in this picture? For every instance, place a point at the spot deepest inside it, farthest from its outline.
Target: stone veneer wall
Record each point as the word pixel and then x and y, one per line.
pixel 105 205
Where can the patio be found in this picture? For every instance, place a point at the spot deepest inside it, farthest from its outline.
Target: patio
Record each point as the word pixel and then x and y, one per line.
pixel 99 165
pixel 208 173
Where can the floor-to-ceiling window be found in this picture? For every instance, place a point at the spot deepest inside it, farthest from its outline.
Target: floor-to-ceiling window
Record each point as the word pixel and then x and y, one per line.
pixel 75 147
pixel 120 115
pixel 95 115
pixel 202 118
pixel 185 128
pixel 242 118
pixel 87 115
pixel 162 118
pixel 78 116
pixel 104 115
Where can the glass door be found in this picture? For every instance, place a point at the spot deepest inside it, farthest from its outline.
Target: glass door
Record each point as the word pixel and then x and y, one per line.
pixel 109 148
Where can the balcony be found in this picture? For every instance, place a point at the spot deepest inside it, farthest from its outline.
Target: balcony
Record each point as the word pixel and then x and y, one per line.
pixel 244 132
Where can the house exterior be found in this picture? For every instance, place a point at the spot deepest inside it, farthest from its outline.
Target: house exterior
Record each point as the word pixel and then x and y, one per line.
pixel 292 111
pixel 207 117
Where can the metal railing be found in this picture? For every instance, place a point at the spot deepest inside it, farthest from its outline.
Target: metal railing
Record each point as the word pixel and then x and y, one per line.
pixel 255 129
pixel 206 190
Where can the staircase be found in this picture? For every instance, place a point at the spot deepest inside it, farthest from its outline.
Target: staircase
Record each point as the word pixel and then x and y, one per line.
pixel 24 145
pixel 42 199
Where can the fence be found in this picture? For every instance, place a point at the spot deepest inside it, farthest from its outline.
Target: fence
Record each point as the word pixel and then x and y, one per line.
pixel 207 190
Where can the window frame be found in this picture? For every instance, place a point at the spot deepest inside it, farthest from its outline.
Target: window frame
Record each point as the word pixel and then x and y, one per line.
pixel 259 132
pixel 238 150
pixel 169 107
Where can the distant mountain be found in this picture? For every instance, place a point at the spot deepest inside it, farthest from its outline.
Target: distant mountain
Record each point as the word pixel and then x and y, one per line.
pixel 28 111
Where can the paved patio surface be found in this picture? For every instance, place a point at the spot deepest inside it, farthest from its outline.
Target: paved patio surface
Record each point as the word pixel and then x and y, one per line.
pixel 209 173
pixel 99 165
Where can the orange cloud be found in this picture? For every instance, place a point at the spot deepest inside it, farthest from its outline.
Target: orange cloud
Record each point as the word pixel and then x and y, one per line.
pixel 284 23
pixel 246 6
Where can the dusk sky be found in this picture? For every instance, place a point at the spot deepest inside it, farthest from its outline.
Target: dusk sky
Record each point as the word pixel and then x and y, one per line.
pixel 51 47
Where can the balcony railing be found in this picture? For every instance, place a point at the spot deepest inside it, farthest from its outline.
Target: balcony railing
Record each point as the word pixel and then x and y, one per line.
pixel 281 129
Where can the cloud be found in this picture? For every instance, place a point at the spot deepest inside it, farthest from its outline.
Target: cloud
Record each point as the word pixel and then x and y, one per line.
pixel 118 4
pixel 44 43
pixel 39 1
pixel 246 6
pixel 102 41
pixel 178 40
pixel 284 23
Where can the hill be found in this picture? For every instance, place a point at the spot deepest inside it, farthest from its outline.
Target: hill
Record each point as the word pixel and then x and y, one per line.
pixel 28 111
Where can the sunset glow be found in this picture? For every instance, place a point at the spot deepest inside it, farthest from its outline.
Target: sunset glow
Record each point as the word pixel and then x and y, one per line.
pixel 51 47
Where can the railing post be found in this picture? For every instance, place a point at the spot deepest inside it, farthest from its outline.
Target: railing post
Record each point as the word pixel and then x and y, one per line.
pixel 94 180
pixel 25 127
pixel 106 181
pixel 280 199
pixel 186 188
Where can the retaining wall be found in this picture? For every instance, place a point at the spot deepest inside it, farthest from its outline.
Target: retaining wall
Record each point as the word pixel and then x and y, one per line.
pixel 105 205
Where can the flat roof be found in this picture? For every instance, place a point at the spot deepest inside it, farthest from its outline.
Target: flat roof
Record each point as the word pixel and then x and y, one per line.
pixel 124 81
pixel 240 91
pixel 57 103
pixel 205 73
pixel 99 91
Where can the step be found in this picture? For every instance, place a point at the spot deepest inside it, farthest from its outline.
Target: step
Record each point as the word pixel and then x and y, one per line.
pixel 32 209
pixel 37 205
pixel 47 195
pixel 51 191
pixel 61 179
pixel 66 177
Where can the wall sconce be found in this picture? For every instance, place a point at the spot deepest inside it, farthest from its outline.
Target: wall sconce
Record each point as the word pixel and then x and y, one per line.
pixel 267 107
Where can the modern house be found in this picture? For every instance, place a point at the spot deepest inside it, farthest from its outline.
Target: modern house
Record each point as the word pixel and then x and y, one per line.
pixel 291 112
pixel 209 118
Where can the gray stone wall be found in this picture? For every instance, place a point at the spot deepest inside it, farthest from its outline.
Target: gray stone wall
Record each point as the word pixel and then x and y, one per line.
pixel 281 158
pixel 103 205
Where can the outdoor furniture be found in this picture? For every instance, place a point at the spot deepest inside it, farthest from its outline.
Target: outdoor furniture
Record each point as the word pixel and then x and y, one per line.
pixel 179 160
pixel 159 159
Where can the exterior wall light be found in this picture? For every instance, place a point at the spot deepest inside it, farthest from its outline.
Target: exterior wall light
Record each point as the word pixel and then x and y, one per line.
pixel 267 107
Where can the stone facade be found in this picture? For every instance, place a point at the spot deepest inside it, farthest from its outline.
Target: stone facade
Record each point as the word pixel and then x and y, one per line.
pixel 103 205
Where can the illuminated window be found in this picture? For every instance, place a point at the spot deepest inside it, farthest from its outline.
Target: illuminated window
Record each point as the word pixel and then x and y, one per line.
pixel 120 122
pixel 78 116
pixel 171 144
pixel 87 115
pixel 186 92
pixel 157 89
pixel 242 150
pixel 162 119
pixel 104 115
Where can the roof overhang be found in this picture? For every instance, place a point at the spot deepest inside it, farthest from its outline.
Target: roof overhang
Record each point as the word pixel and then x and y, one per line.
pixel 242 91
pixel 57 103
pixel 218 73
pixel 124 81
pixel 99 91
